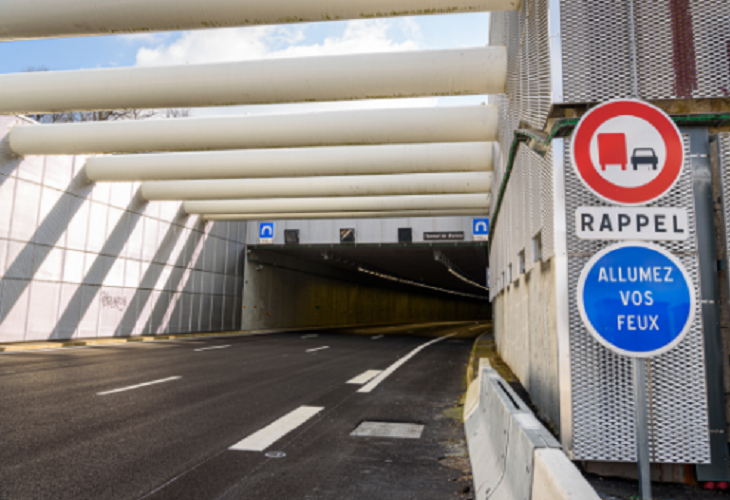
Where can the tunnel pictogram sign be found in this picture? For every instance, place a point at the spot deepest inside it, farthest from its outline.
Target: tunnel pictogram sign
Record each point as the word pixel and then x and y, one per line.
pixel 627 152
pixel 266 232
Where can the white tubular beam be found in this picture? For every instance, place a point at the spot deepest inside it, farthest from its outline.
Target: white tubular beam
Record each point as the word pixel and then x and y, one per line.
pixel 304 187
pixel 24 20
pixel 330 128
pixel 349 215
pixel 340 204
pixel 473 71
pixel 294 162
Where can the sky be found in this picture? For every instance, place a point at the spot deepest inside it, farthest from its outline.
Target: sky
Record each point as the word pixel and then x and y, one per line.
pixel 259 42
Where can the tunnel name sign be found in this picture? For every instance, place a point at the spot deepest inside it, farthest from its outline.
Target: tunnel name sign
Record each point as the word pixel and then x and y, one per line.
pixel 634 297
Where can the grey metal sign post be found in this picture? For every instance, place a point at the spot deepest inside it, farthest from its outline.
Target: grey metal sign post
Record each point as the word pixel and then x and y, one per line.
pixel 642 428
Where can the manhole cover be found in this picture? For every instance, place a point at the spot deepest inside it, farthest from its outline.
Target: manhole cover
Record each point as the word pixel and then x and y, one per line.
pixel 275 454
pixel 388 430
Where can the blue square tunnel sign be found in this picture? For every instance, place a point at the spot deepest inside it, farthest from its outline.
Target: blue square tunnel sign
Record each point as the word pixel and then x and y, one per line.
pixel 480 229
pixel 266 232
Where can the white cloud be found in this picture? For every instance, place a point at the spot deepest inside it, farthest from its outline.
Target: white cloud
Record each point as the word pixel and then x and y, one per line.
pixel 268 42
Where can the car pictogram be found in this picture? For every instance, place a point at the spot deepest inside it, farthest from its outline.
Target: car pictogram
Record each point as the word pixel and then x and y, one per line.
pixel 644 156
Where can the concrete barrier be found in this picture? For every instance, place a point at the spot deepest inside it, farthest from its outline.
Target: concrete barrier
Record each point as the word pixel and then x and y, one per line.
pixel 513 456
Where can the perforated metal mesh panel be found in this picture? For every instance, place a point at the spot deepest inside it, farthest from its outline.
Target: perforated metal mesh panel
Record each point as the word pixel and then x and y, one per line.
pixel 526 212
pixel 527 207
pixel 682 52
pixel 682 49
pixel 602 398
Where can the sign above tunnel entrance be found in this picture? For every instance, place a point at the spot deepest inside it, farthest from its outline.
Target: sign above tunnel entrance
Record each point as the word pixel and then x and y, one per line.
pixel 266 233
pixel 480 229
pixel 627 152
pixel 636 299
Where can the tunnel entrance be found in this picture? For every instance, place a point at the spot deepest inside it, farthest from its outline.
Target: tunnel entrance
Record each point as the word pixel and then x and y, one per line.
pixel 339 285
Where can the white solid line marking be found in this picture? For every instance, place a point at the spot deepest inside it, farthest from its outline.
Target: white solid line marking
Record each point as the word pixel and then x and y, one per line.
pixel 310 336
pixel 318 348
pixel 365 377
pixel 377 337
pixel 392 368
pixel 209 348
pixel 138 386
pixel 260 440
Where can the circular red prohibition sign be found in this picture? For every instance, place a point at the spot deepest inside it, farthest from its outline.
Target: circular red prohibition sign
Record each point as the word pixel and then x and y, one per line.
pixel 581 149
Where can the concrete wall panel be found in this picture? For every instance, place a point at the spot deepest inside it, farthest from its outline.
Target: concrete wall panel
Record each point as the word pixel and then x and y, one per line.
pixel 526 334
pixel 90 260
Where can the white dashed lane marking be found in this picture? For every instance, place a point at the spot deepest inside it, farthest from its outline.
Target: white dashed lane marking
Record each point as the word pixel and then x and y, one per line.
pixel 377 337
pixel 310 336
pixel 318 348
pixel 169 379
pixel 365 377
pixel 214 347
pixel 392 368
pixel 270 434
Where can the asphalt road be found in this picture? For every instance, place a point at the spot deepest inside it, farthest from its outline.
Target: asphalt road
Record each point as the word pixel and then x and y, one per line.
pixel 156 420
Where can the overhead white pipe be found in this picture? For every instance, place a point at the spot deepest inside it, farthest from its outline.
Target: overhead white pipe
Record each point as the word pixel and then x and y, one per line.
pixel 349 215
pixel 340 204
pixel 24 20
pixel 325 128
pixel 293 162
pixel 472 71
pixel 301 187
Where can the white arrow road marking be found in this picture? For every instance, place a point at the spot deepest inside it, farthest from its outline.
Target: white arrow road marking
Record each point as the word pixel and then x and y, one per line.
pixel 169 379
pixel 209 348
pixel 318 348
pixel 260 440
pixel 392 368
pixel 364 377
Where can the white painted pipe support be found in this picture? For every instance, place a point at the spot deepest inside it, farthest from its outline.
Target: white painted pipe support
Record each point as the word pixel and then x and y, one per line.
pixel 24 20
pixel 305 187
pixel 325 128
pixel 472 71
pixel 340 204
pixel 293 162
pixel 349 215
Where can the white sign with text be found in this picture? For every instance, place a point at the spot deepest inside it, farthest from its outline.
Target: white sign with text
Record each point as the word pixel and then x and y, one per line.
pixel 625 223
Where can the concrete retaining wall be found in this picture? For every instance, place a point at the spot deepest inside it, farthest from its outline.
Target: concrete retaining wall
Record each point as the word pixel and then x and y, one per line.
pixel 95 260
pixel 513 456
pixel 525 330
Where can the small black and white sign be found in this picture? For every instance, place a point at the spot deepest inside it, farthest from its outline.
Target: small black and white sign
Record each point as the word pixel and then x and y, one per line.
pixel 444 236
pixel 347 235
pixel 616 223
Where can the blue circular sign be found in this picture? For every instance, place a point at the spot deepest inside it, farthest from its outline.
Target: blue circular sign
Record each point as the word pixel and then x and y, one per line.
pixel 636 299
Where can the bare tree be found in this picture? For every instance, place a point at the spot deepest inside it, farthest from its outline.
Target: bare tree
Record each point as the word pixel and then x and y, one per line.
pixel 105 115
pixel 177 113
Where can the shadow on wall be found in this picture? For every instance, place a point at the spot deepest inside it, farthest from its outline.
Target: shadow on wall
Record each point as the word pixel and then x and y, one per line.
pixel 83 259
pixel 30 259
pixel 158 308
pixel 9 162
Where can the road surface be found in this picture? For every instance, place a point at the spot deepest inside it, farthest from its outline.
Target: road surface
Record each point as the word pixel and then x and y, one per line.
pixel 249 417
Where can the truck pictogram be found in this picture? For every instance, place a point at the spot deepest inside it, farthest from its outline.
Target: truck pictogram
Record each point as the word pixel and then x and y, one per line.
pixel 612 150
